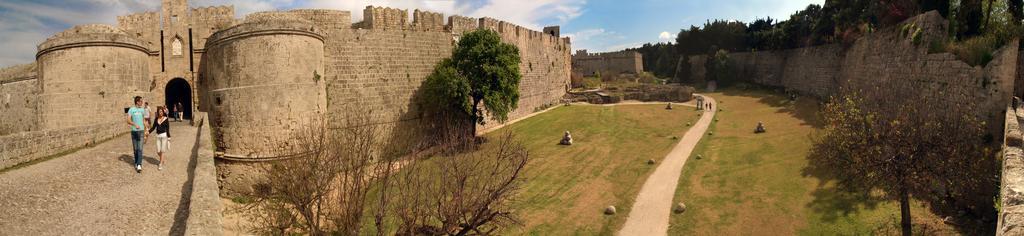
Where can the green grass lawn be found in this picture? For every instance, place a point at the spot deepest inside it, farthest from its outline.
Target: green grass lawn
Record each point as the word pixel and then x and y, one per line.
pixel 756 184
pixel 568 187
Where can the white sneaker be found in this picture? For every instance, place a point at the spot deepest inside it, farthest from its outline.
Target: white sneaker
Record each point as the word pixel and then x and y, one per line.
pixel 160 166
pixel 138 168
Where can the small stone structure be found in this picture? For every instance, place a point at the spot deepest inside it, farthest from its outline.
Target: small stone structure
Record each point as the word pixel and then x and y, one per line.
pixel 700 103
pixel 760 128
pixel 608 63
pixel 643 92
pixel 610 210
pixel 680 208
pixel 566 139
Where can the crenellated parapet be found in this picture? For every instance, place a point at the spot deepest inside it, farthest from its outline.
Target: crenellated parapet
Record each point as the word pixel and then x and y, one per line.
pixel 138 21
pixel 214 12
pixel 461 24
pixel 384 18
pixel 427 21
pixel 516 33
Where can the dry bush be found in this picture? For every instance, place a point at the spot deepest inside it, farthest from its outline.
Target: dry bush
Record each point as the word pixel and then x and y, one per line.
pixel 298 186
pixel 462 193
pixel 324 188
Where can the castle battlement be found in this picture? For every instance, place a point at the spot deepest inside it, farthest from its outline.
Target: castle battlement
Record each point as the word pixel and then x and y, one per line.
pixel 213 11
pixel 384 18
pixel 427 21
pixel 460 24
pixel 307 60
pixel 138 20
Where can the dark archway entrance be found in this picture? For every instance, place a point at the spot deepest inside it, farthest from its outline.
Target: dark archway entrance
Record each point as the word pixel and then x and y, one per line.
pixel 179 91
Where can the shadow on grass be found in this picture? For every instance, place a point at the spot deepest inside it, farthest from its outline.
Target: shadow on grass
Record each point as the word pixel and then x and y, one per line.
pixel 833 200
pixel 804 108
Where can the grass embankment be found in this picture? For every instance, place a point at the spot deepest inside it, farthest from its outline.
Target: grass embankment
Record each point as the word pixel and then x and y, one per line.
pixel 757 184
pixel 569 186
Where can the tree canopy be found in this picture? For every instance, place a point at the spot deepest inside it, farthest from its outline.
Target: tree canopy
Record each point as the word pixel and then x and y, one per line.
pixel 482 69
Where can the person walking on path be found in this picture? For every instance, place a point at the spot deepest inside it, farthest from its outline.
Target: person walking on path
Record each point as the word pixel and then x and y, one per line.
pixel 181 113
pixel 148 111
pixel 172 113
pixel 137 120
pixel 163 134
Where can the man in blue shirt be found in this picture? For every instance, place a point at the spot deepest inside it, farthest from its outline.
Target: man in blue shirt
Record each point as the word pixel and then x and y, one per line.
pixel 137 121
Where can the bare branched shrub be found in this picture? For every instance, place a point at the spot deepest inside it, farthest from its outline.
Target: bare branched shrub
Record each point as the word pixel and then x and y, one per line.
pixel 298 186
pixel 358 147
pixel 462 193
pixel 324 188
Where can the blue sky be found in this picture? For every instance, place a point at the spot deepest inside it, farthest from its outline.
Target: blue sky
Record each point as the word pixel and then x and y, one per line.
pixel 595 25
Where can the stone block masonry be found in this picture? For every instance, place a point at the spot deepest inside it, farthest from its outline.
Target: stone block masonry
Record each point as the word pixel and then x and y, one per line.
pixel 24 147
pixel 1011 196
pixel 372 70
pixel 886 54
pixel 260 78
pixel 19 96
pixel 608 63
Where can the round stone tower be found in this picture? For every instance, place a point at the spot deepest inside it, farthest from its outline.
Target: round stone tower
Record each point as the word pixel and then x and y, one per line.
pixel 261 83
pixel 91 73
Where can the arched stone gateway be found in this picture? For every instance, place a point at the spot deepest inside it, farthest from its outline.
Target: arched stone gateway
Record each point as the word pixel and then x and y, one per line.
pixel 179 91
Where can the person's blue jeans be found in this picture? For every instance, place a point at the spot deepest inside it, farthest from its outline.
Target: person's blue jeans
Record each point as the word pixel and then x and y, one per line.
pixel 137 145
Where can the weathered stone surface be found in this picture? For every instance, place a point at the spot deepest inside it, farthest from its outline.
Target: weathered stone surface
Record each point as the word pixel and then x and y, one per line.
pixel 23 147
pixel 1011 196
pixel 244 92
pixel 18 101
pixel 607 64
pixel 883 55
pixel 262 70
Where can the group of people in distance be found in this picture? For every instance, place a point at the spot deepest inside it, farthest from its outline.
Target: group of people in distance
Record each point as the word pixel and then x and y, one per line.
pixel 138 118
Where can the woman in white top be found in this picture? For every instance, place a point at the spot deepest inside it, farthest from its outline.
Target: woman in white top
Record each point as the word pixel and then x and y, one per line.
pixel 163 134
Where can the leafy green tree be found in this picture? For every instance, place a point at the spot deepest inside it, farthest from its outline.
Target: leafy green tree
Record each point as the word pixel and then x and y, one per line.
pixel 1016 9
pixel 721 69
pixel 483 72
pixel 909 142
pixel 729 35
pixel 660 59
pixel 448 92
pixel 969 17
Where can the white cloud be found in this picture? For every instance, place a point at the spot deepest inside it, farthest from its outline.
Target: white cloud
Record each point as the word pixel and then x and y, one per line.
pixel 665 36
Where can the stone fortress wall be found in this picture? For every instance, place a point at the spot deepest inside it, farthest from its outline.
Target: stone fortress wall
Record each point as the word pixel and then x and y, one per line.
pixel 19 89
pixel 1011 195
pixel 884 55
pixel 73 95
pixel 260 78
pixel 370 68
pixel 607 63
